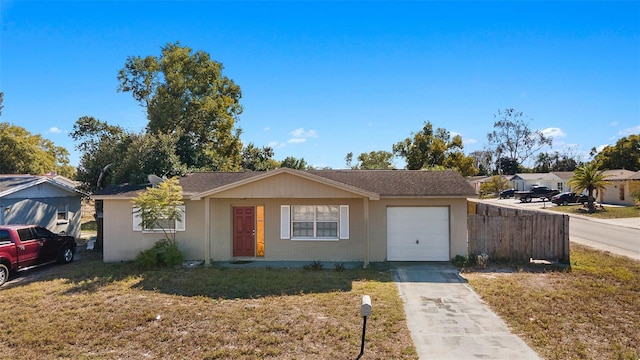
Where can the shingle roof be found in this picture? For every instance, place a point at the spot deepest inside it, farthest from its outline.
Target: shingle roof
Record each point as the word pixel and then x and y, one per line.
pixel 564 175
pixel 403 182
pixel 618 174
pixel 384 182
pixel 10 183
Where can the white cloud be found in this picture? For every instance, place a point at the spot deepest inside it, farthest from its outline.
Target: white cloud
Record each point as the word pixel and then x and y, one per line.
pixel 469 141
pixel 276 145
pixel 266 129
pixel 553 133
pixel 599 148
pixel 55 130
pixel 630 131
pixel 300 135
pixel 614 123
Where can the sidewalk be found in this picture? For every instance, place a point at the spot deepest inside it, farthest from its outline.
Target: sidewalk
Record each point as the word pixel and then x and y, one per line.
pixel 448 320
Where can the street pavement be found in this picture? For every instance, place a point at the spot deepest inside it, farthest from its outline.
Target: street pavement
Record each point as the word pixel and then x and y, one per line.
pixel 448 320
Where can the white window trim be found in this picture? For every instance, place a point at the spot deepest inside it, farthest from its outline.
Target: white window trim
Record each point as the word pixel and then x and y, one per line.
pixel 179 225
pixel 65 211
pixel 286 225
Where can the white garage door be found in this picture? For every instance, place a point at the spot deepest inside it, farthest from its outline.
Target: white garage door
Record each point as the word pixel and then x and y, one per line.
pixel 418 234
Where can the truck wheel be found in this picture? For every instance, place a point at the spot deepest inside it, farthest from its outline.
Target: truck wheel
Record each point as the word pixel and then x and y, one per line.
pixel 565 203
pixel 4 274
pixel 66 255
pixel 528 199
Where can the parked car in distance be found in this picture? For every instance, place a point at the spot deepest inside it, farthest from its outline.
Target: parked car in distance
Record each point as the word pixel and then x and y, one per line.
pixel 566 198
pixel 23 246
pixel 541 192
pixel 508 193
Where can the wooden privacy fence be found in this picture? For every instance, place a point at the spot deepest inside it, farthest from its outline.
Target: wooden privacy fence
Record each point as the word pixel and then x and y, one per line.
pixel 517 235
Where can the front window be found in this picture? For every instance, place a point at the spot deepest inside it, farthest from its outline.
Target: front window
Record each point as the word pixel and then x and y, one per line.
pixel 162 224
pixel 315 221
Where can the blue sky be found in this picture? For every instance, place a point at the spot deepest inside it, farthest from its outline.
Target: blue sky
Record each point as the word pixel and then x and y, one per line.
pixel 321 79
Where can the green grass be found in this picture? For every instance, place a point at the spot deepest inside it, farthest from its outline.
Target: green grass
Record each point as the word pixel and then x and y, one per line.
pixel 609 212
pixel 591 311
pixel 91 310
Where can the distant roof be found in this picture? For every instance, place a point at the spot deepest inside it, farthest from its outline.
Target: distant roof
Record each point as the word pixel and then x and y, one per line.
pixel 618 174
pixel 530 176
pixel 564 175
pixel 11 183
pixel 389 183
pixel 635 176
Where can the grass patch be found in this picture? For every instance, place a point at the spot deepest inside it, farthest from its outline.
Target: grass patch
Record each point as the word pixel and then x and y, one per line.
pixel 609 212
pixel 89 226
pixel 589 312
pixel 88 309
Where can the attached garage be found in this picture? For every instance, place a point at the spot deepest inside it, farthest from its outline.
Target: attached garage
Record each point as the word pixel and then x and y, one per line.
pixel 418 233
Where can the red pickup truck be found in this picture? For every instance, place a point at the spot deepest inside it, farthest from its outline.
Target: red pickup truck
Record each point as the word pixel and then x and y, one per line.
pixel 23 246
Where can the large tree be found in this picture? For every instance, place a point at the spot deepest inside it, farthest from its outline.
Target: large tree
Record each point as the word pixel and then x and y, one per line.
pixel 111 155
pixel 512 138
pixel 549 162
pixel 102 146
pixel 373 160
pixel 294 163
pixel 429 149
pixel 24 153
pixel 625 154
pixel 185 92
pixel 588 178
pixel 482 161
pixel 258 159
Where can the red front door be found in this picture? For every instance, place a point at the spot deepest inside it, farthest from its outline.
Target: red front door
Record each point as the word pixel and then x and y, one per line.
pixel 244 231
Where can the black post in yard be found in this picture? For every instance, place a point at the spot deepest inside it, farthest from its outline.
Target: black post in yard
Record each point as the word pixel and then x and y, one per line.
pixel 364 330
pixel 365 311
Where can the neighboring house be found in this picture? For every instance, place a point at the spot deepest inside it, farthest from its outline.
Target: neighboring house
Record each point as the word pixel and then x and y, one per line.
pixel 292 215
pixel 477 181
pixel 49 201
pixel 554 180
pixel 622 184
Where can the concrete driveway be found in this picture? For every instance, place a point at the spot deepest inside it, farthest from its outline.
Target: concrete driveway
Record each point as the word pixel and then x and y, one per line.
pixel 448 320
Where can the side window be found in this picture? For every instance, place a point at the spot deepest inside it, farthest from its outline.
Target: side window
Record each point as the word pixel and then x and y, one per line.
pixel 163 224
pixel 26 234
pixel 4 236
pixel 42 233
pixel 63 212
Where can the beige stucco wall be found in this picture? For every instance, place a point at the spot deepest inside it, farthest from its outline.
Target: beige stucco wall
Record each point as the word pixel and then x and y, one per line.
pixel 121 243
pixel 612 193
pixel 352 249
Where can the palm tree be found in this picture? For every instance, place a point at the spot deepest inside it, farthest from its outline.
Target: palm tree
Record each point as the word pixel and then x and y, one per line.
pixel 589 178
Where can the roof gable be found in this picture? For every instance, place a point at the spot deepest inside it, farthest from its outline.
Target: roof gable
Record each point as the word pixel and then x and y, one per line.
pixel 13 184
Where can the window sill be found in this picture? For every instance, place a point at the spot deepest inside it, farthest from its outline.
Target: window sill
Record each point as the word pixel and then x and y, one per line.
pixel 315 239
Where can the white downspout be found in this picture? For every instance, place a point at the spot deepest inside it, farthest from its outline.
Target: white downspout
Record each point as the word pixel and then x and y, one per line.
pixel 366 232
pixel 207 231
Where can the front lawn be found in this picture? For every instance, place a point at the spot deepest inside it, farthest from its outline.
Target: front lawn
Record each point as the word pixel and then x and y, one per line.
pixel 609 212
pixel 91 310
pixel 591 311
